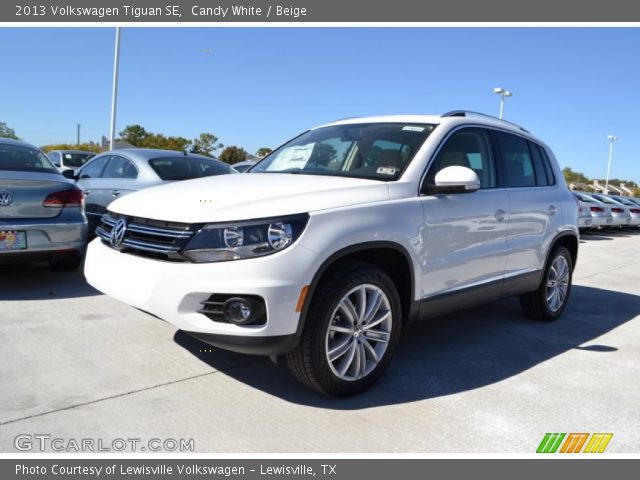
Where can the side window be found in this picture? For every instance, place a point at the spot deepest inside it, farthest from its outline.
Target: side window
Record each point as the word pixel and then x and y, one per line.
pixel 120 167
pixel 469 147
pixel 546 164
pixel 94 168
pixel 541 173
pixel 54 157
pixel 517 163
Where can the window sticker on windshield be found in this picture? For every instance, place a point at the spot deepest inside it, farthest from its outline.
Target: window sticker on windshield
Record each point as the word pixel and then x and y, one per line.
pixel 292 157
pixel 411 128
pixel 386 171
pixel 67 155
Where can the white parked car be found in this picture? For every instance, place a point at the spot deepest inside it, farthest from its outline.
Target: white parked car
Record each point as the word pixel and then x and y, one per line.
pixel 329 247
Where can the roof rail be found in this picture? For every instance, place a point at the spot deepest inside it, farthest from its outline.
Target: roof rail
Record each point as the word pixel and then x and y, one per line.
pixel 467 113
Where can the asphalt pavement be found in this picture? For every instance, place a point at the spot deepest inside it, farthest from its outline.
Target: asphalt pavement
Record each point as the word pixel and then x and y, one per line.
pixel 76 364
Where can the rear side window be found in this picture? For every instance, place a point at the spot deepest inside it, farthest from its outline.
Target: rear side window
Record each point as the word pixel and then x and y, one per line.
pixel 517 163
pixel 24 159
pixel 546 163
pixel 468 147
pixel 120 167
pixel 184 168
pixel 94 168
pixel 538 165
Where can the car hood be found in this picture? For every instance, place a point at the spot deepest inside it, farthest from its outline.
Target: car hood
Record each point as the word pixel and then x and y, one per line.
pixel 248 196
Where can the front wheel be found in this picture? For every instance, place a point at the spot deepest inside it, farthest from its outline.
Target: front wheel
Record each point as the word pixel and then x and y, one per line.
pixel 353 326
pixel 548 302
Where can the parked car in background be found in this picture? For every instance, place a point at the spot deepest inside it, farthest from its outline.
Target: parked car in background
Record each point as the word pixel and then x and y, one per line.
pixel 117 173
pixel 592 213
pixel 70 159
pixel 342 236
pixel 621 214
pixel 41 212
pixel 242 167
pixel 634 209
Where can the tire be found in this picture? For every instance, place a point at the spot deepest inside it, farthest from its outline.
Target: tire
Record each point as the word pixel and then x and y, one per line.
pixel 543 304
pixel 329 327
pixel 66 265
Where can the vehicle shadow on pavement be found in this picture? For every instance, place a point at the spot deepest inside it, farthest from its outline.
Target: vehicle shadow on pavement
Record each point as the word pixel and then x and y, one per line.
pixel 453 353
pixel 36 281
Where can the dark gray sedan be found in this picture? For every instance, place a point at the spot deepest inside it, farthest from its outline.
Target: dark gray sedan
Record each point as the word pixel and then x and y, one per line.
pixel 115 173
pixel 41 212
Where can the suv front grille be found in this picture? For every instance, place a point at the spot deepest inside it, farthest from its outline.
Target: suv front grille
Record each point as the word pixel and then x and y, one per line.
pixel 147 237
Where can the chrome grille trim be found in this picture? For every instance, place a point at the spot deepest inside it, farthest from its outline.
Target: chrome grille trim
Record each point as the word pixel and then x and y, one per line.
pixel 144 239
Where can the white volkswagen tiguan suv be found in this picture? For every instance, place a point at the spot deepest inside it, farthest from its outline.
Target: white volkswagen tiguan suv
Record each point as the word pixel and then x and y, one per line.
pixel 341 237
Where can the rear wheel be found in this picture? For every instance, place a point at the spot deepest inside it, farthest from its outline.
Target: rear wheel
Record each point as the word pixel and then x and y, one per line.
pixel 549 301
pixel 353 326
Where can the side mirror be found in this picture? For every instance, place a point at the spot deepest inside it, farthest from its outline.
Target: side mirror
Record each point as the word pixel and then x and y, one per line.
pixel 454 179
pixel 68 173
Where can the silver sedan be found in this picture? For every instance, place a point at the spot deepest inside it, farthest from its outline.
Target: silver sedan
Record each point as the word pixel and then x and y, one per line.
pixel 620 212
pixel 41 212
pixel 116 173
pixel 592 213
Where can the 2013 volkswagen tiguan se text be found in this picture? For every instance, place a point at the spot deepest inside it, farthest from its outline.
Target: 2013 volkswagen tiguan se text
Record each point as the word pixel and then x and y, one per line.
pixel 338 239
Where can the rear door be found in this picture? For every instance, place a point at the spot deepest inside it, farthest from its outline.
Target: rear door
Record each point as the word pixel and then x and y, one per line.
pixel 465 234
pixel 118 178
pixel 534 207
pixel 90 179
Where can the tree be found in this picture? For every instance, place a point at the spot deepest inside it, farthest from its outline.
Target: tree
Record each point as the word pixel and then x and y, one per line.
pixel 89 147
pixel 233 155
pixel 134 134
pixel 205 144
pixel 575 177
pixel 263 152
pixel 7 132
pixel 159 141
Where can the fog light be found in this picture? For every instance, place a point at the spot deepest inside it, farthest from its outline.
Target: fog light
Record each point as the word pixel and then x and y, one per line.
pixel 238 310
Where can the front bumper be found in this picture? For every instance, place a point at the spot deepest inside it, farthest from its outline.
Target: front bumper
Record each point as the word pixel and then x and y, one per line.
pixel 173 291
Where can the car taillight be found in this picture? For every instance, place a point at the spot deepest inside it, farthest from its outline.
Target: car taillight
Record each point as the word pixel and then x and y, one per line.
pixel 616 210
pixel 65 198
pixel 635 210
pixel 597 209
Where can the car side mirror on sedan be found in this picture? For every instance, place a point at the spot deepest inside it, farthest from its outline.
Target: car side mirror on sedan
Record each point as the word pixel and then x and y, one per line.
pixel 454 179
pixel 69 173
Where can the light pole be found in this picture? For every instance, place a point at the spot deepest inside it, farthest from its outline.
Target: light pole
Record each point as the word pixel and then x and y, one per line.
pixel 114 93
pixel 503 93
pixel 612 138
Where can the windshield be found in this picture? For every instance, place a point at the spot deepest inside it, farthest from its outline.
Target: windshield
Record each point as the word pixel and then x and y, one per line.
pixel 379 151
pixel 584 198
pixel 606 200
pixel 185 168
pixel 625 201
pixel 76 159
pixel 24 159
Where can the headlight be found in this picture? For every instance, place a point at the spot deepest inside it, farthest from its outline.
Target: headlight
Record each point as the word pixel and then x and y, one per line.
pixel 218 242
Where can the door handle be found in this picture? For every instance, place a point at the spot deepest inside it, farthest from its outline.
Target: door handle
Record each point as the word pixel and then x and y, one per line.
pixel 552 210
pixel 115 193
pixel 499 215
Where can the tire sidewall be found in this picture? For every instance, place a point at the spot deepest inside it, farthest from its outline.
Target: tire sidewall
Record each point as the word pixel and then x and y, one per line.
pixel 560 251
pixel 358 276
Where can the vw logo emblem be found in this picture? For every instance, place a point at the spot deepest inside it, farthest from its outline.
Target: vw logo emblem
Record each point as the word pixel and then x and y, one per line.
pixel 117 233
pixel 5 198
